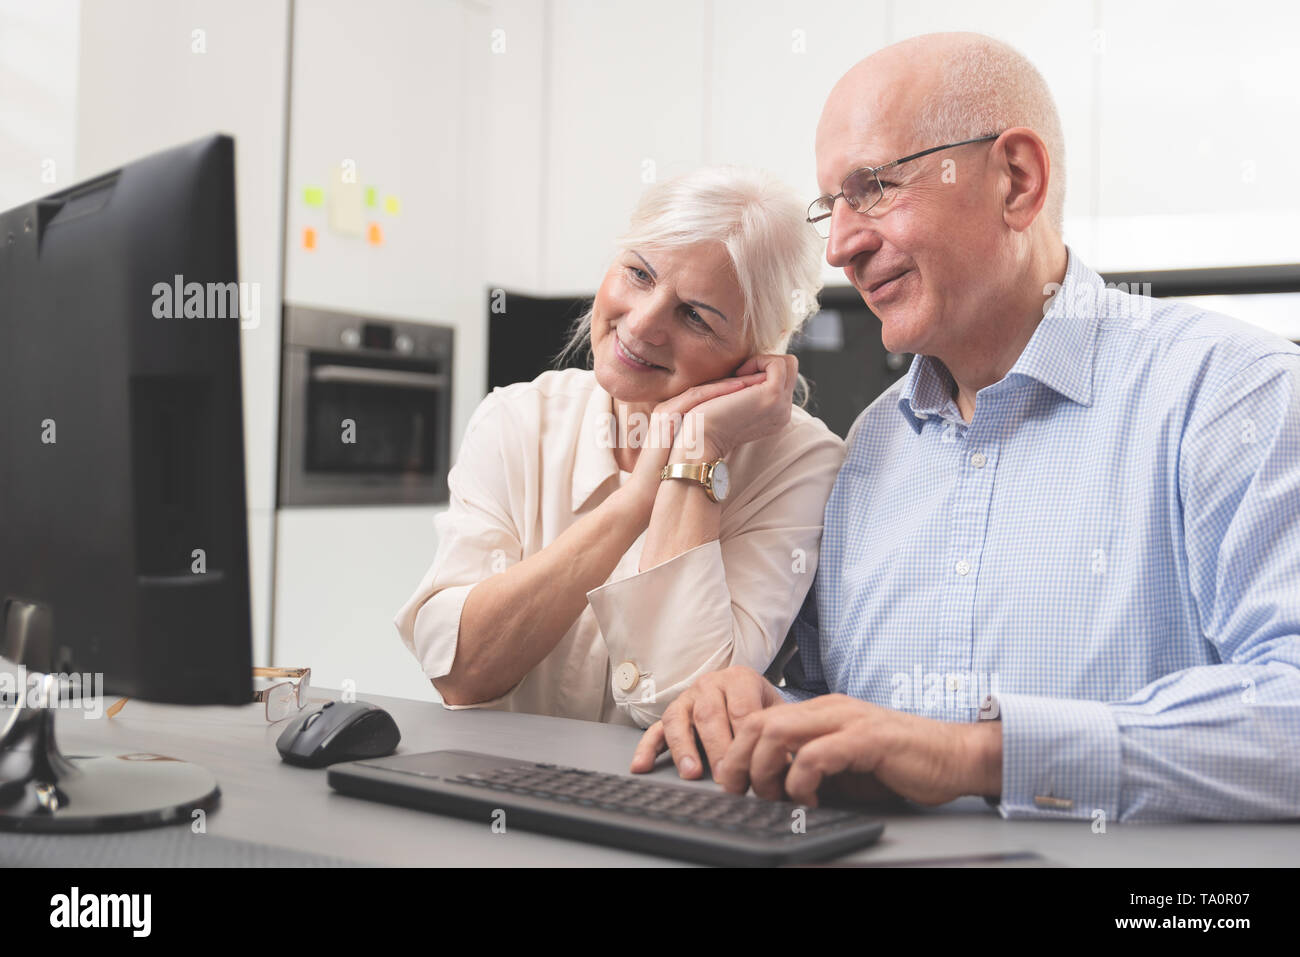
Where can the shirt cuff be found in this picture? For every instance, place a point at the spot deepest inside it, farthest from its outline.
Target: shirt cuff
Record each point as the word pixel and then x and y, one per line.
pixel 664 627
pixel 1060 758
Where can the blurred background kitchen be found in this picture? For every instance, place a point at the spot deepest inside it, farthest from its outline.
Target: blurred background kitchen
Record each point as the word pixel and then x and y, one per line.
pixel 428 190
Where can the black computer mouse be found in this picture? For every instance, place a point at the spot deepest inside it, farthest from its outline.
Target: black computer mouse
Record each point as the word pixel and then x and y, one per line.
pixel 339 731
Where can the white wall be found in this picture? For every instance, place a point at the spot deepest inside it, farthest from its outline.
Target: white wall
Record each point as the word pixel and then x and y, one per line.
pixel 38 92
pixel 142 88
pixel 1158 100
pixel 1198 133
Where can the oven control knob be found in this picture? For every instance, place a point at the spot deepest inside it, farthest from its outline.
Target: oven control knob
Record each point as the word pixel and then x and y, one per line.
pixel 404 343
pixel 351 338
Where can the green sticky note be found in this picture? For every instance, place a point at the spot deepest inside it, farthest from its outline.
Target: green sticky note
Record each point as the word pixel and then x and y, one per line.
pixel 370 196
pixel 313 196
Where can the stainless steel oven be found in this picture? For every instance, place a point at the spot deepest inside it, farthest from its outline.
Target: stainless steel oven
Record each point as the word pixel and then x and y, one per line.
pixel 365 410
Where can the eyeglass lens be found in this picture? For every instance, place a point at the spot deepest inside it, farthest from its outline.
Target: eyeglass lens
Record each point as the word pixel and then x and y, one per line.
pixel 287 697
pixel 861 192
pixel 281 701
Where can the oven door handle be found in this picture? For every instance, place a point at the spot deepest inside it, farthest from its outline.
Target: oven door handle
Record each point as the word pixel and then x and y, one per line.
pixel 389 377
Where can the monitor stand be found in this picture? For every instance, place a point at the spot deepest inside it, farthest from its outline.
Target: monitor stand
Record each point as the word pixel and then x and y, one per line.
pixel 43 790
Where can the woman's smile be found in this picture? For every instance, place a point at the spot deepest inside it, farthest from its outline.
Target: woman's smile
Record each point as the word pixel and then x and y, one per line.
pixel 632 360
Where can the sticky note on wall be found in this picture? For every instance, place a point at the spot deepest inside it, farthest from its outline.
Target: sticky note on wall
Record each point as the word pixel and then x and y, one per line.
pixel 347 210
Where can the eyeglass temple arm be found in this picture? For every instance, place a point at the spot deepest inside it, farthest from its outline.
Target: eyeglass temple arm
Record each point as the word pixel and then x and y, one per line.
pixel 935 149
pixel 892 163
pixel 257 695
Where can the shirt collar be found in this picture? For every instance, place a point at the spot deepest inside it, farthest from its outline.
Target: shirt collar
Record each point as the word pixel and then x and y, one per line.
pixel 1060 354
pixel 594 462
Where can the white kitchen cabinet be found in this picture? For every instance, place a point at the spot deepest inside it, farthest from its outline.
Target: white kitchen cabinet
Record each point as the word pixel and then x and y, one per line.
pixel 626 96
pixel 342 574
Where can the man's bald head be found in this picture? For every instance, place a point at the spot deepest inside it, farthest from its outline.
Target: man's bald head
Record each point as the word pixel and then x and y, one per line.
pixel 952 87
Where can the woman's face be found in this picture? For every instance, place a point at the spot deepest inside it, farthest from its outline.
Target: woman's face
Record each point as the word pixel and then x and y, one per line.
pixel 666 320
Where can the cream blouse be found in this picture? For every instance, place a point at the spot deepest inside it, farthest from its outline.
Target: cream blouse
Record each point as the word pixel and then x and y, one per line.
pixel 535 458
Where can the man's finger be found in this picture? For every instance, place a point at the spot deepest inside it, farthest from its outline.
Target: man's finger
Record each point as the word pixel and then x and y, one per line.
pixel 650 746
pixel 765 741
pixel 712 723
pixel 679 733
pixel 790 730
pixel 733 775
pixel 815 761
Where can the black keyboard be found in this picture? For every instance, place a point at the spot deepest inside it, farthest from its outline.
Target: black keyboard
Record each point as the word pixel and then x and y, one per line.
pixel 636 813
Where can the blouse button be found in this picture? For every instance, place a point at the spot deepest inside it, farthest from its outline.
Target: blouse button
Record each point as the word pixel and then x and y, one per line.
pixel 626 676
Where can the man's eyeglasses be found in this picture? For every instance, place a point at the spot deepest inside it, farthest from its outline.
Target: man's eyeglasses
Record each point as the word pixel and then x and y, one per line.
pixel 282 698
pixel 862 188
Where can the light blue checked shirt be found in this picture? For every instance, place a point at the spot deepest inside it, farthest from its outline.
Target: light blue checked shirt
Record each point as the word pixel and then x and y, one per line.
pixel 1110 548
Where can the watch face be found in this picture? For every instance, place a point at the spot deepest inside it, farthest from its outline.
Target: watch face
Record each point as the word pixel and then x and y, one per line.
pixel 721 480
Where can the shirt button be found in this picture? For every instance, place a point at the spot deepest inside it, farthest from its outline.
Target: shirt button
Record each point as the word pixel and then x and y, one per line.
pixel 963 567
pixel 978 460
pixel 954 683
pixel 626 676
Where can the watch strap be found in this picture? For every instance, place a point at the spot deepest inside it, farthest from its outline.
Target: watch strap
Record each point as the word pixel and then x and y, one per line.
pixel 694 471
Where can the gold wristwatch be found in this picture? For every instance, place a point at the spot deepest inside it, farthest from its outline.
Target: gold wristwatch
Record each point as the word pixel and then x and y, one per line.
pixel 712 475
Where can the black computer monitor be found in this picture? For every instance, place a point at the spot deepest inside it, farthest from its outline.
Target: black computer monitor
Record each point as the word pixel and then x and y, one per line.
pixel 123 540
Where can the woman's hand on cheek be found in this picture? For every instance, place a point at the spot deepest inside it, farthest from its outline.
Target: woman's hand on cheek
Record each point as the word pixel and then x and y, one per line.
pixel 716 427
pixel 666 427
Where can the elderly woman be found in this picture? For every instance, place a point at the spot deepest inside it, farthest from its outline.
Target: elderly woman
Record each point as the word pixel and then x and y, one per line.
pixel 615 533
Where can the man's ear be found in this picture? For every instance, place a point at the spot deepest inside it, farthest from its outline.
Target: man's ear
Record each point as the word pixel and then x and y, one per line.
pixel 1026 171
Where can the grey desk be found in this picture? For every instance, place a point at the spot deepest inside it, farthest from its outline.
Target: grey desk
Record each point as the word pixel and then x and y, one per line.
pixel 267 802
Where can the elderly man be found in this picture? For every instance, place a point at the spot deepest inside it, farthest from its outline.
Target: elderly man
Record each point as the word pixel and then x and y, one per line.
pixel 1061 563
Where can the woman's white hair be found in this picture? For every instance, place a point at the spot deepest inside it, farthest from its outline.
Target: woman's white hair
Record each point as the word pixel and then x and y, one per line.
pixel 760 221
pixel 987 86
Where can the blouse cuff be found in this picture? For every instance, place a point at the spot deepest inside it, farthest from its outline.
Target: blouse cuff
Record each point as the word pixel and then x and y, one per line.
pixel 664 627
pixel 437 626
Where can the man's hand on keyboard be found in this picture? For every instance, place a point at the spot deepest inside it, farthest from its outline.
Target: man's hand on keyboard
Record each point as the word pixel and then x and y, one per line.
pixel 788 752
pixel 710 708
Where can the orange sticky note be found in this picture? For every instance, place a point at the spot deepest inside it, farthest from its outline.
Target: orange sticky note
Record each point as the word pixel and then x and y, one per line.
pixel 375 235
pixel 308 238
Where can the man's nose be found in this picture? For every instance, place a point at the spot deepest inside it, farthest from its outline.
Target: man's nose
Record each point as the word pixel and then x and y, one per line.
pixel 852 233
